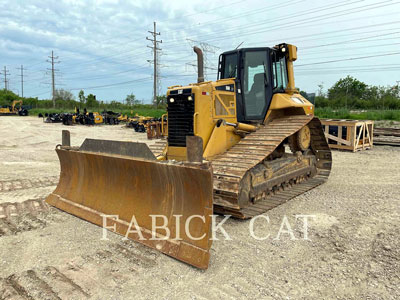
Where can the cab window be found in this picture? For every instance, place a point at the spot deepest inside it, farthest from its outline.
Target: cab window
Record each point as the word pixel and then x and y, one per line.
pixel 230 66
pixel 254 83
pixel 279 73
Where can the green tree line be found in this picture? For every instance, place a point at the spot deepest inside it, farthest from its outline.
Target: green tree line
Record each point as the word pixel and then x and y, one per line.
pixel 66 100
pixel 351 93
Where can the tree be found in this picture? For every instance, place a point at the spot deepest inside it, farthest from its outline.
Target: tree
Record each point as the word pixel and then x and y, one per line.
pixel 91 101
pixel 61 94
pixel 131 100
pixel 7 96
pixel 321 90
pixel 81 97
pixel 161 100
pixel 346 91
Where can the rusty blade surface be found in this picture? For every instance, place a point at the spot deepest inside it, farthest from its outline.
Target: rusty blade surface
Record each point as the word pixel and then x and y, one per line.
pixel 95 184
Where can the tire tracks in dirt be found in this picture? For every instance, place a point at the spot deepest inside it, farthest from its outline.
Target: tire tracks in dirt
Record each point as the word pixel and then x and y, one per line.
pixel 82 277
pixel 22 184
pixel 17 217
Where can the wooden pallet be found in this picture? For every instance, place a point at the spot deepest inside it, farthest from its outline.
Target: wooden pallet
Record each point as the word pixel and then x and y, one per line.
pixel 353 135
pixel 387 136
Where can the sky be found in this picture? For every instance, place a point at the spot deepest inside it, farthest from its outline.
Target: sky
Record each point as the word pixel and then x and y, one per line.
pixel 101 46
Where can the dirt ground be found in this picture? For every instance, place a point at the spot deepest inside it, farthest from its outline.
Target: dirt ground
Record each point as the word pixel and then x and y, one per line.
pixel 353 251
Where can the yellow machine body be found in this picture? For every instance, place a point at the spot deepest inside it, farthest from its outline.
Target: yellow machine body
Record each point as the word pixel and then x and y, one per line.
pixel 213 103
pixel 214 160
pixel 11 110
pixel 98 118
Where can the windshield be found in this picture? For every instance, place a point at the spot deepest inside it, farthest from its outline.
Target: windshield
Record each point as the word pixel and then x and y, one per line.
pixel 254 83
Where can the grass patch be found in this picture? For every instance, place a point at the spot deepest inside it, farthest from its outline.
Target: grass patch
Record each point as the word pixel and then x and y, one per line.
pixel 328 113
pixel 324 113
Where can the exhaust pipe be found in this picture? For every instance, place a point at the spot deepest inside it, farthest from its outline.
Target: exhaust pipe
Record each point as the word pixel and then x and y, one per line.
pixel 200 64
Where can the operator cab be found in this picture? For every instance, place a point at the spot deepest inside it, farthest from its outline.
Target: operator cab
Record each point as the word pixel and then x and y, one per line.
pixel 259 73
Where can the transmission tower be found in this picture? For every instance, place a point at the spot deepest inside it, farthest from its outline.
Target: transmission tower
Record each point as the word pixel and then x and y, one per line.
pixel 154 61
pixel 5 73
pixel 22 79
pixel 208 50
pixel 53 70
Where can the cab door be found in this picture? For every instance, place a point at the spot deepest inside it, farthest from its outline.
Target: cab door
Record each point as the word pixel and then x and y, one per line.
pixel 256 83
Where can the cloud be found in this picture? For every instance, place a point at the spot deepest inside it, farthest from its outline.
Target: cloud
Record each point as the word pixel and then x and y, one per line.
pixel 101 42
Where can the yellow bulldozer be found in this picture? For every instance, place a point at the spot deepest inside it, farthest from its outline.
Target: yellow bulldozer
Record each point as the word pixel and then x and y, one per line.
pixel 238 146
pixel 13 109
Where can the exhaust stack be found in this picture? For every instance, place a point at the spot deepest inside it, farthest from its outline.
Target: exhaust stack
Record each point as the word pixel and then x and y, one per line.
pixel 200 64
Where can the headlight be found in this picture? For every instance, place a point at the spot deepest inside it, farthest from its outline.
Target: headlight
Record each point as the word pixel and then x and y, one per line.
pixel 297 100
pixel 172 100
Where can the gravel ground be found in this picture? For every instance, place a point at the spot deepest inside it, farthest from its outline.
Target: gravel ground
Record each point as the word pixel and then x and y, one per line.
pixel 353 250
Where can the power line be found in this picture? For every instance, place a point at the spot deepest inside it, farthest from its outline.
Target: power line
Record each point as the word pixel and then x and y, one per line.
pixel 353 40
pixel 144 66
pixel 342 35
pixel 112 84
pixel 130 31
pixel 287 25
pixel 350 71
pixel 128 82
pixel 352 58
pixel 290 17
pixel 309 20
pixel 346 49
pixel 352 67
pixel 243 14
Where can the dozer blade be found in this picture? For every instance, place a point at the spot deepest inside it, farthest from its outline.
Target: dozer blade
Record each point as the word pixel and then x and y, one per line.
pixel 102 178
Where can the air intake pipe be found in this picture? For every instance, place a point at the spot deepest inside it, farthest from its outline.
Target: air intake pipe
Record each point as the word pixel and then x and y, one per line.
pixel 200 64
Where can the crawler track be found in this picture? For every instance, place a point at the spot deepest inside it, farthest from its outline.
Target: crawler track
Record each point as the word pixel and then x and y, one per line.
pixel 231 167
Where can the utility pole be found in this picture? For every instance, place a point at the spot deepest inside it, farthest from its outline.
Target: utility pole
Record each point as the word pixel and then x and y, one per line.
pixel 155 49
pixel 5 73
pixel 53 84
pixel 22 80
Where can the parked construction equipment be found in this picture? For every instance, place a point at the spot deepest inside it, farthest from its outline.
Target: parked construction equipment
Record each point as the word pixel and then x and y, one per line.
pixel 138 123
pixel 155 129
pixel 13 110
pixel 53 118
pixel 85 118
pixel 111 118
pixel 225 153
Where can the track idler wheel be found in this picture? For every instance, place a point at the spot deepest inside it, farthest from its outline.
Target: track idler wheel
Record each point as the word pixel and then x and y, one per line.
pixel 301 140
